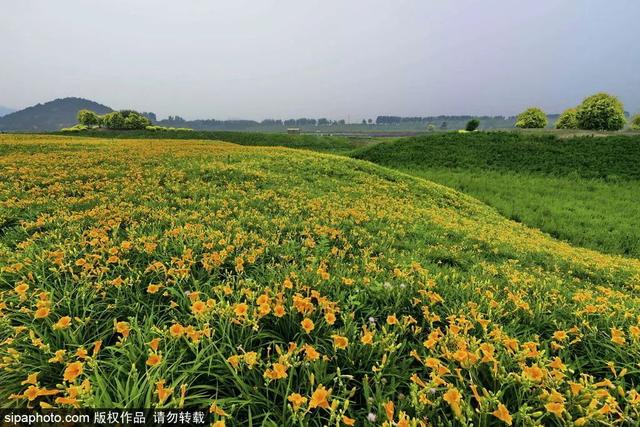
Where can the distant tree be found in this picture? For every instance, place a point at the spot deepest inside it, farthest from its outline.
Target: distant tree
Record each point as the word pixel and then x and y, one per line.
pixel 369 121
pixel 431 127
pixel 323 122
pixel 568 119
pixel 635 122
pixel 444 126
pixel 601 112
pixel 134 120
pixel 88 118
pixel 532 118
pixel 113 120
pixel 472 125
pixel 364 121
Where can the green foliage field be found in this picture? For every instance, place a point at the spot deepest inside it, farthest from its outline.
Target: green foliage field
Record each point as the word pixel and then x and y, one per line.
pixel 285 287
pixel 333 144
pixel 583 190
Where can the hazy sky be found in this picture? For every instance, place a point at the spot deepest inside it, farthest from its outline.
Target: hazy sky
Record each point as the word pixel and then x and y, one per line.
pixel 332 58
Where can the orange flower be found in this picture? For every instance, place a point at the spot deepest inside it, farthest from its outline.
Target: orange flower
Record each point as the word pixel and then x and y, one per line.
pixel 154 359
pixel 311 353
pixel 348 421
pixel 163 393
pixel 330 318
pixel 198 308
pixel 176 330
pixel 42 312
pixel 319 398
pixel 32 393
pixel 533 373
pixel 62 323
pixel 389 409
pixel 122 328
pixel 297 400
pixel 307 325
pixel 617 336
pixel 367 337
pixel 73 371
pixel 152 288
pixel 556 408
pixel 453 398
pixel 279 310
pixel 31 379
pixel 277 372
pixel 502 413
pixel 154 344
pixel 241 309
pixel 392 320
pixel 340 341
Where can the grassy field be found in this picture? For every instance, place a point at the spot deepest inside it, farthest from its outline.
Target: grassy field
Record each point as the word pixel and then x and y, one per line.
pixel 328 144
pixel 286 287
pixel 583 190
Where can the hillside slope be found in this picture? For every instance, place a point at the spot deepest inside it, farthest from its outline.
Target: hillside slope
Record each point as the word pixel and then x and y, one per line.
pixel 582 190
pixel 587 157
pixel 50 116
pixel 277 285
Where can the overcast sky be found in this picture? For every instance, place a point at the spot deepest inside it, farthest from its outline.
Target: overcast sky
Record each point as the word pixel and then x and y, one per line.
pixel 320 58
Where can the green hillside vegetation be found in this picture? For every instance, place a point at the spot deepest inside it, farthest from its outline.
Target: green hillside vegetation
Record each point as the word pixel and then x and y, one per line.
pixel 50 116
pixel 584 190
pixel 288 287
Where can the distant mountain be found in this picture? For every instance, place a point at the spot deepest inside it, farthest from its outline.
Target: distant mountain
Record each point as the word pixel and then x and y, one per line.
pixel 50 116
pixel 5 110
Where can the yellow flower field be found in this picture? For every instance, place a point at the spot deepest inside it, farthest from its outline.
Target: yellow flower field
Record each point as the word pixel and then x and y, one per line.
pixel 284 287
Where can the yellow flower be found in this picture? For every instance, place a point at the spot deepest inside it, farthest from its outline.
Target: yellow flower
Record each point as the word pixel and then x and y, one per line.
pixel 453 398
pixel 330 317
pixel 152 288
pixel 556 408
pixel 241 309
pixel 319 398
pixel 62 323
pixel 617 336
pixel 234 360
pixel 278 371
pixel 154 359
pixel 533 373
pixel 176 330
pixel 31 379
pixel 297 400
pixel 340 342
pixel 32 392
pixel 392 320
pixel 251 358
pixel 307 325
pixel 73 371
pixel 122 328
pixel 348 421
pixel 502 413
pixel 42 312
pixel 279 310
pixel 163 393
pixel 311 353
pixel 198 308
pixel 367 337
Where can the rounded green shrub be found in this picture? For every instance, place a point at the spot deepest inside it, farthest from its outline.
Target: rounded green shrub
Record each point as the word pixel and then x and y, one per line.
pixel 601 112
pixel 532 118
pixel 635 122
pixel 88 118
pixel 472 125
pixel 568 119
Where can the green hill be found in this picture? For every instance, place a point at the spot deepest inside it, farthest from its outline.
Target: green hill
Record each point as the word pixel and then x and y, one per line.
pixel 587 157
pixel 584 190
pixel 50 116
pixel 289 287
